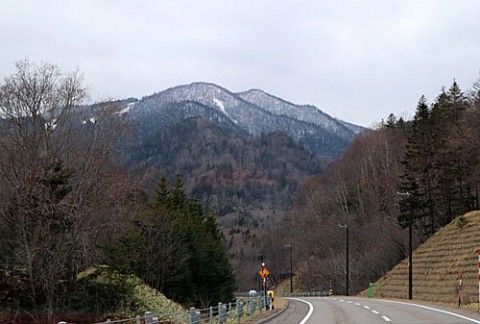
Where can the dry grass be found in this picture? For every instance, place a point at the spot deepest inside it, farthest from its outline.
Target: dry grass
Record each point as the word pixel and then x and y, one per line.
pixel 280 303
pixel 437 265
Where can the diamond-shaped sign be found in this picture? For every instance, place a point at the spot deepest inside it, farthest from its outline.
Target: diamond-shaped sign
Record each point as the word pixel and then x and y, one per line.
pixel 264 272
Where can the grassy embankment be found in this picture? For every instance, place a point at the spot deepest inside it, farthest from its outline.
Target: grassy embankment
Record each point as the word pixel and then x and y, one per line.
pixel 437 265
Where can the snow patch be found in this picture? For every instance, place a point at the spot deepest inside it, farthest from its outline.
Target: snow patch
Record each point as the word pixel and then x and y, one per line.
pixel 126 109
pixel 220 105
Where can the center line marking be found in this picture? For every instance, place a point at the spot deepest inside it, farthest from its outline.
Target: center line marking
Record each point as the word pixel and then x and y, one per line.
pixel 358 304
pixel 374 311
pixel 386 319
pixel 366 307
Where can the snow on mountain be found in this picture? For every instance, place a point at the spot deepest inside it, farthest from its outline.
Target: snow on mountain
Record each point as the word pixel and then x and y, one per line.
pixel 251 112
pixel 220 105
pixel 306 113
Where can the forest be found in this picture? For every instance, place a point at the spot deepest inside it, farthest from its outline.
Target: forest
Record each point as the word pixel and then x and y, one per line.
pixel 425 169
pixel 68 209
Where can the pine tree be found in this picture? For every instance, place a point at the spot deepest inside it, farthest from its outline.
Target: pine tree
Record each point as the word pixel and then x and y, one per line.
pixel 418 175
pixel 176 248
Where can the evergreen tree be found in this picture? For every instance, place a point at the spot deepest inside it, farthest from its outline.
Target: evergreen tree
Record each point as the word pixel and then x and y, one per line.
pixel 176 248
pixel 452 198
pixel 419 157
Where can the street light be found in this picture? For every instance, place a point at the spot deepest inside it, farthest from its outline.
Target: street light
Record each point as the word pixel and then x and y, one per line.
pixel 407 195
pixel 346 275
pixel 289 246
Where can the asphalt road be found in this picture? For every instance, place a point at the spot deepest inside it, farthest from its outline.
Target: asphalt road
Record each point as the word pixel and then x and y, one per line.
pixel 344 310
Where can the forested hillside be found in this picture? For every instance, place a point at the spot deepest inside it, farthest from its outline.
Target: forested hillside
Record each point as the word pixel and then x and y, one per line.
pixel 84 190
pixel 250 180
pixel 427 166
pixel 68 209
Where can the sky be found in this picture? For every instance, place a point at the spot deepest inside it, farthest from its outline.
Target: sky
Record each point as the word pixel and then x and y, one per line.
pixel 356 60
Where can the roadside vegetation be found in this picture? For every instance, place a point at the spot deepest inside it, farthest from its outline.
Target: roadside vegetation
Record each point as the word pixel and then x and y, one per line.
pixel 67 206
pixel 437 266
pixel 426 168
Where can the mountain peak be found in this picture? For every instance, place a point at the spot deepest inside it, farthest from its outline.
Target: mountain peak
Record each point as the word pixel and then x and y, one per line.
pixel 251 112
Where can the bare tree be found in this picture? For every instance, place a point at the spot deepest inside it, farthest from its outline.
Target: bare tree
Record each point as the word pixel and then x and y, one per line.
pixel 59 184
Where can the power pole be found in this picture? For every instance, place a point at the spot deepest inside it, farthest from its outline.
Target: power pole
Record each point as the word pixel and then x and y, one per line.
pixel 346 259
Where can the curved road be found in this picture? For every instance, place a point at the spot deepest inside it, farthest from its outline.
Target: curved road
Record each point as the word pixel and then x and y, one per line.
pixel 362 310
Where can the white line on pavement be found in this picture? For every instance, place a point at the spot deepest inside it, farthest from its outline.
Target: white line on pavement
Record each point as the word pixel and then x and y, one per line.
pixel 431 308
pixel 386 319
pixel 374 312
pixel 366 307
pixel 310 309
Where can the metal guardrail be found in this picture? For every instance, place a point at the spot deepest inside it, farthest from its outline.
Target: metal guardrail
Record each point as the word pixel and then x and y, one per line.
pixel 305 294
pixel 288 294
pixel 213 315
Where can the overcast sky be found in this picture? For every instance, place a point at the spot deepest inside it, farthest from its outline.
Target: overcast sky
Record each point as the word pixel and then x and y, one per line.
pixel 357 60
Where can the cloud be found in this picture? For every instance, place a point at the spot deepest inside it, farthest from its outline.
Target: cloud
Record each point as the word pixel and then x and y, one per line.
pixel 357 60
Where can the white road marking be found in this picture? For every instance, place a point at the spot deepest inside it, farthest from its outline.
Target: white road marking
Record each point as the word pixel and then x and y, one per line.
pixel 432 309
pixel 386 319
pixel 358 304
pixel 366 307
pixel 349 301
pixel 310 310
pixel 374 312
pixel 341 300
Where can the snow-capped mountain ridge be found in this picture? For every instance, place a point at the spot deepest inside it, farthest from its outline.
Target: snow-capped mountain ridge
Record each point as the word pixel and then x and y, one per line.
pixel 252 112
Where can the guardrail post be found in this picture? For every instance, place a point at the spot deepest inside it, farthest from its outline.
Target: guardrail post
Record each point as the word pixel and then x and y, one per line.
pixel 193 316
pixel 251 302
pixel 211 315
pixel 150 318
pixel 222 316
pixel 239 307
pixel 137 319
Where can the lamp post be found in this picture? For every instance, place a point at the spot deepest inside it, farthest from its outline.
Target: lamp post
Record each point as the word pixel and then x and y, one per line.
pixel 407 195
pixel 289 246
pixel 346 258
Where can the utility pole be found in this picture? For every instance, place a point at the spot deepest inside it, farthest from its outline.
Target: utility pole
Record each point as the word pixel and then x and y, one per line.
pixel 289 246
pixel 408 195
pixel 346 259
pixel 410 257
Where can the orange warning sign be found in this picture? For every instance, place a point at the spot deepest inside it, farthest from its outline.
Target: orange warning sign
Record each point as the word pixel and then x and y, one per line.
pixel 264 272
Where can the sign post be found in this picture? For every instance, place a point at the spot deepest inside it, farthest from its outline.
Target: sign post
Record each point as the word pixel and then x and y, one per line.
pixel 460 284
pixel 264 274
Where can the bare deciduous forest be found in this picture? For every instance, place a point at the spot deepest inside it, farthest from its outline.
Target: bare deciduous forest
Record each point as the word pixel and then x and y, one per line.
pixel 433 158
pixel 67 204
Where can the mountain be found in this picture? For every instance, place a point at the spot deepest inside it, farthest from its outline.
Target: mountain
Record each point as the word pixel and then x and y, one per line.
pixel 244 154
pixel 249 180
pixel 252 112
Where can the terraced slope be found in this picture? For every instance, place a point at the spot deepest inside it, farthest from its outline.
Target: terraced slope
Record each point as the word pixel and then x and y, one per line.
pixel 437 265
